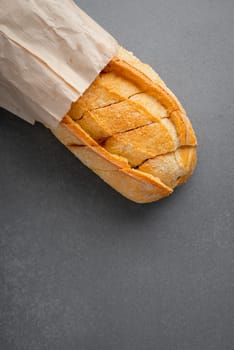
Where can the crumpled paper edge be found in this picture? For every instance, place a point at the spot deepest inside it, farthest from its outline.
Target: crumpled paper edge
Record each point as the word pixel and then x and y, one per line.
pixel 39 79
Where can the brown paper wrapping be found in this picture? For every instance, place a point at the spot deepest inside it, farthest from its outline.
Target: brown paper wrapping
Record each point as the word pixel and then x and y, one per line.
pixel 50 53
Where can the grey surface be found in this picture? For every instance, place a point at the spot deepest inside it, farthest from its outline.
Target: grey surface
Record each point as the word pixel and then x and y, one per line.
pixel 82 268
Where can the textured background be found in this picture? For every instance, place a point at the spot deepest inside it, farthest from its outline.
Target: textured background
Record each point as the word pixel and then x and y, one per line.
pixel 81 268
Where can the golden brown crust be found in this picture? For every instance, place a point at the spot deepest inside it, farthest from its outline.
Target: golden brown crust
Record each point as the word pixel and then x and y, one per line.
pixel 131 130
pixel 133 184
pixel 172 168
pixel 130 145
pixel 162 94
pixel 97 124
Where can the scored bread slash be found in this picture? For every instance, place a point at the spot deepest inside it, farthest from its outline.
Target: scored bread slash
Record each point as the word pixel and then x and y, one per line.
pixel 97 123
pixel 142 143
pixel 131 130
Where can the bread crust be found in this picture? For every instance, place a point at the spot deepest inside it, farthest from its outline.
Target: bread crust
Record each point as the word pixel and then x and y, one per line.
pixel 151 168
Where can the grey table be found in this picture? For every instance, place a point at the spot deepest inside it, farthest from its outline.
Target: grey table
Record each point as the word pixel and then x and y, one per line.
pixel 81 268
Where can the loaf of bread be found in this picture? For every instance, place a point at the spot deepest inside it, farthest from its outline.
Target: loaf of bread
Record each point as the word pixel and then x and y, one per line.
pixel 131 130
